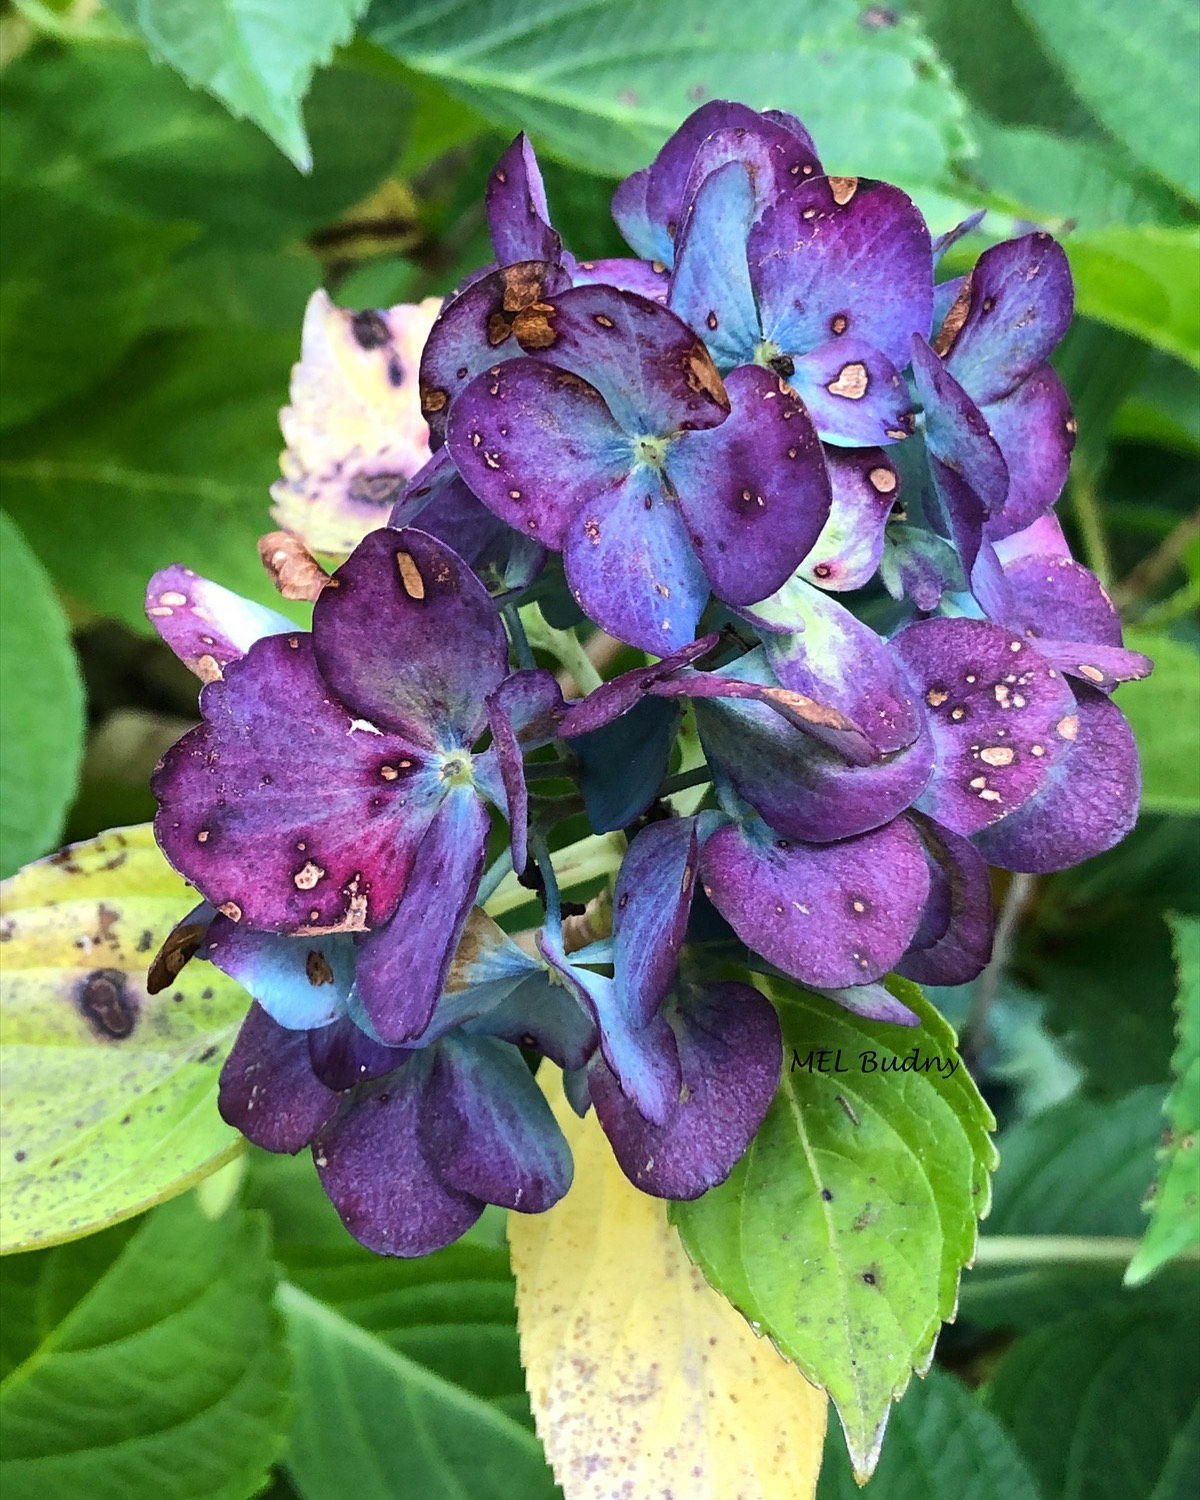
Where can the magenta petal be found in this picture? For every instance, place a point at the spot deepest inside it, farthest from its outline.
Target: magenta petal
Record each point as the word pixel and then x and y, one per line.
pixel 865 486
pixel 1035 430
pixel 843 256
pixel 754 491
pixel 1018 306
pixel 1088 803
pixel 651 905
pixel 371 1165
pixel 535 443
pixel 731 1053
pixel 630 565
pixel 827 914
pixel 402 966
pixel 617 696
pixel 710 285
pixel 954 941
pixel 282 808
pixel 409 639
pixel 268 1089
pixel 1000 717
pixel 516 208
pixel 486 1127
pixel 206 626
pixel 854 394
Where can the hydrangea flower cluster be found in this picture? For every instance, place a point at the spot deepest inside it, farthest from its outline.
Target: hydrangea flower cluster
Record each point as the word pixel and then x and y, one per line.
pixel 814 488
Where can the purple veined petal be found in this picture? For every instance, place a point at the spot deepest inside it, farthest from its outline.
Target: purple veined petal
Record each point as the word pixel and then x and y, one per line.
pixel 865 485
pixel 754 492
pixel 1103 667
pixel 855 395
pixel 476 330
pixel 650 241
pixel 963 510
pixel 731 1054
pixel 999 714
pixel 951 237
pixel 872 1001
pixel 532 701
pixel 205 625
pixel 517 214
pixel 651 905
pixel 827 914
pixel 843 256
pixel 343 1054
pixel 402 966
pixel 648 278
pixel 992 590
pixel 268 1089
pixel 954 941
pixel 285 810
pixel 487 1130
pixel 1009 317
pixel 817 647
pixel 1088 803
pixel 301 983
pixel 710 285
pixel 408 638
pixel 371 1166
pixel 1035 430
pixel 623 763
pixel 774 149
pixel 1060 598
pixel 957 433
pixel 800 787
pixel 631 567
pixel 1044 538
pixel 536 443
pixel 617 696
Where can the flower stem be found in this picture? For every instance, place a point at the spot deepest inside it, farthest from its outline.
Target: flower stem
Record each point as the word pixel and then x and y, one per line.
pixel 1086 505
pixel 597 855
pixel 680 782
pixel 518 637
pixel 563 645
pixel 1058 1249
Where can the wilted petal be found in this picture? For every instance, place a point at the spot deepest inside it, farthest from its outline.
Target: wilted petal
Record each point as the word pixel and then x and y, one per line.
pixel 951 237
pixel 854 394
pixel 617 696
pixel 300 982
pixel 954 941
pixel 865 485
pixel 651 905
pixel 516 208
pixel 1035 431
pixel 268 1089
pixel 827 914
pixel 206 626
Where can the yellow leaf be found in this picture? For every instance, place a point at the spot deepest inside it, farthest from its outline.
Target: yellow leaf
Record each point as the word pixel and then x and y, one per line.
pixel 644 1380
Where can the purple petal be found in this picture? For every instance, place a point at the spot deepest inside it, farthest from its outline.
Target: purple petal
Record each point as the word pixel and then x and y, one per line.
pixel 402 966
pixel 854 394
pixel 952 237
pixel 371 1165
pixel 827 914
pixel 616 697
pixel 283 809
pixel 920 565
pixel 542 1015
pixel 648 278
pixel 1103 667
pixel 1000 718
pixel 408 638
pixel 300 982
pixel 532 701
pixel 1034 429
pixel 206 625
pixel 754 492
pixel 1044 538
pixel 843 255
pixel 956 431
pixel 710 285
pixel 873 1001
pixel 512 774
pixel 945 295
pixel 629 213
pixel 1010 316
pixel 865 486
pixel 536 443
pixel 1056 597
pixel 486 1127
pixel 651 905
pixel 954 941
pixel 343 1055
pixel 773 148
pixel 731 1053
pixel 516 208
pixel 1087 804
pixel 268 1089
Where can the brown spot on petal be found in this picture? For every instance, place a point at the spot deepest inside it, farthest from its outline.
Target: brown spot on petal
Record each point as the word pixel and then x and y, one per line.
pixel 936 696
pixel 231 910
pixel 534 326
pixel 852 382
pixel 307 876
pixel 172 598
pixel 316 966
pixel 1093 674
pixel 839 324
pixel 843 189
pixel 1068 728
pixel 410 575
pixel 180 946
pixel 953 322
pixel 604 322
pixel 433 398
pixel 208 669
pixel 883 480
pixel 292 568
pixel 997 755
pixel 701 375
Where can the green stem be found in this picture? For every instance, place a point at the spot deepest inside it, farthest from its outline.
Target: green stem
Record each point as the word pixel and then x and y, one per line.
pixel 563 645
pixel 1086 504
pixel 518 637
pixel 684 779
pixel 1061 1249
pixel 597 855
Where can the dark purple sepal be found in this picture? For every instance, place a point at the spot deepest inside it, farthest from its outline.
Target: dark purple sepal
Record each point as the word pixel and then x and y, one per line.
pixel 402 966
pixel 532 701
pixel 1000 716
pixel 268 1089
pixel 1088 803
pixel 730 1052
pixel 1103 667
pixel 408 638
pixel 957 433
pixel 617 696
pixel 1055 596
pixel 517 213
pixel 300 982
pixel 486 1127
pixel 855 395
pixel 827 914
pixel 954 941
pixel 205 625
pixel 864 486
pixel 623 763
pixel 343 1054
pixel 651 906
pixel 1034 428
pixel 373 1169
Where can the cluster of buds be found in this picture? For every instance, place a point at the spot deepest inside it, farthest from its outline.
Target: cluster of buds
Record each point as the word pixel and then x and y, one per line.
pixel 815 487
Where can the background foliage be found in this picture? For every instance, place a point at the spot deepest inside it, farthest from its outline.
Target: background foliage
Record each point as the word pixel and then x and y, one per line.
pixel 158 249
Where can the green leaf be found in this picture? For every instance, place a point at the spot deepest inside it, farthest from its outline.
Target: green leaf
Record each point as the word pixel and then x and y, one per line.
pixel 1097 1400
pixel 1164 710
pixel 257 56
pixel 602 82
pixel 425 1436
pixel 1134 65
pixel 1163 408
pixel 41 706
pixel 843 1229
pixel 1145 281
pixel 941 1445
pixel 159 1369
pixel 1175 1207
pixel 109 1093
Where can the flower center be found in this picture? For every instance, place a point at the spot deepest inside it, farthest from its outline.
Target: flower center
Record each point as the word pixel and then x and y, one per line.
pixel 768 354
pixel 456 768
pixel 651 451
